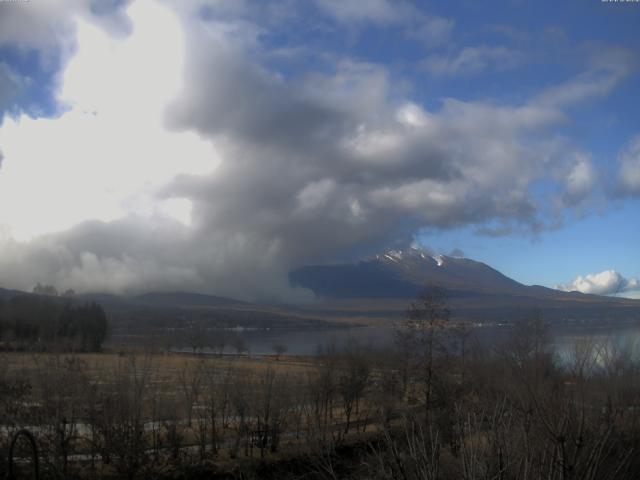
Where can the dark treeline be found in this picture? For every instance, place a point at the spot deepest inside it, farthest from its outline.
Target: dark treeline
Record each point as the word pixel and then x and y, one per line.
pixel 36 322
pixel 437 407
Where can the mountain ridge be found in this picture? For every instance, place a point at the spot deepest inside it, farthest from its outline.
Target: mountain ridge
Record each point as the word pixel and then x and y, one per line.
pixel 476 290
pixel 377 288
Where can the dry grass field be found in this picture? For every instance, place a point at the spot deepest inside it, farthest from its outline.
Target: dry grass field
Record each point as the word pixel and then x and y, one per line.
pixel 97 365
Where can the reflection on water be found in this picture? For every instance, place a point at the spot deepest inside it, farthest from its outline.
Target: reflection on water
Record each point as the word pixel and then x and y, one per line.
pixel 606 345
pixel 568 341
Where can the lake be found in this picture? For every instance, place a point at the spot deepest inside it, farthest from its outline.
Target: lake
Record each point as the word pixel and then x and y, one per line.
pixel 308 341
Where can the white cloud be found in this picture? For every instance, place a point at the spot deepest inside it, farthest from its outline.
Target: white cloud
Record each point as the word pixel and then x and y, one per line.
pixel 606 69
pixel 629 168
pixel 608 282
pixel 472 60
pixel 376 11
pixel 579 180
pixel 429 30
pixel 107 155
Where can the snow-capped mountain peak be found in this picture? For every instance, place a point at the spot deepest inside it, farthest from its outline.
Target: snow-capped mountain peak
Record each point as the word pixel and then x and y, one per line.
pixel 413 253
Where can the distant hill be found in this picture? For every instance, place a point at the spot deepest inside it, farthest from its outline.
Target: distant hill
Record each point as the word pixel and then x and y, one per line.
pixel 156 311
pixel 161 310
pixel 6 294
pixel 173 300
pixel 382 286
pixel 184 299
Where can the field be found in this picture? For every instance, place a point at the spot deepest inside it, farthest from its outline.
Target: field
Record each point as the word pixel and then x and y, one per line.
pixel 429 409
pixel 100 365
pixel 89 411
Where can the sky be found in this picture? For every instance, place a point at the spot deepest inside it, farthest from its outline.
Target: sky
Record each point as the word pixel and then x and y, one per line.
pixel 215 145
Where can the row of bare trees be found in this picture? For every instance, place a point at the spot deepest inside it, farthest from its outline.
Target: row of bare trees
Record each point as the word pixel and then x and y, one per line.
pixel 137 414
pixel 512 411
pixel 438 406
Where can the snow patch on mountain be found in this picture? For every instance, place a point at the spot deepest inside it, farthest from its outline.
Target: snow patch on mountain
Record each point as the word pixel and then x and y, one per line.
pixel 439 259
pixel 412 253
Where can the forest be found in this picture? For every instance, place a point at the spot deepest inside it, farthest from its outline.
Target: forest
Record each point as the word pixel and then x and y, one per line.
pixel 45 323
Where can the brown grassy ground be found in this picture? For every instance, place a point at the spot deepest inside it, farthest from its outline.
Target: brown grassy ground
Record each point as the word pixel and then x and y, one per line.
pixel 99 365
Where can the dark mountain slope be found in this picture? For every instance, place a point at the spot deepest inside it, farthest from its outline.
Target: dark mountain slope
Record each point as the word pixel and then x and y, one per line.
pixel 402 274
pixel 382 286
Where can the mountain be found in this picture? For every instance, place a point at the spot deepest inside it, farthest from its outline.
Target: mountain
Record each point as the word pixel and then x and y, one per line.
pixel 401 274
pixel 382 286
pixel 374 290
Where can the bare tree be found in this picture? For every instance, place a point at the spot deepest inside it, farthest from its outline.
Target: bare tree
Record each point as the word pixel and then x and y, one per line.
pixel 220 341
pixel 241 393
pixel 190 380
pixel 216 398
pixel 60 383
pixel 426 321
pixel 196 336
pixel 353 379
pixel 279 349
pixel 121 424
pixel 411 453
pixel 239 345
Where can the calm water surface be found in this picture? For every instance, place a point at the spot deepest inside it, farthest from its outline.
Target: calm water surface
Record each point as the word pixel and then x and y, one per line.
pixel 308 342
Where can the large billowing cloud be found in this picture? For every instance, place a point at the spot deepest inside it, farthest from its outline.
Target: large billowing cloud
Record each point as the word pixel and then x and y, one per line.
pixel 608 282
pixel 183 161
pixel 103 157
